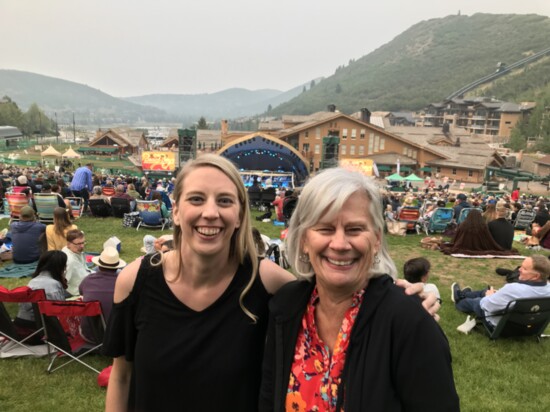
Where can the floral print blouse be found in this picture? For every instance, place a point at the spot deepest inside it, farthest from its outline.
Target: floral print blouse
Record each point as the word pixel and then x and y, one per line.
pixel 315 373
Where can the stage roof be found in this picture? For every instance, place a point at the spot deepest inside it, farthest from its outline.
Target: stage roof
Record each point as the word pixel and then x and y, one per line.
pixel 260 151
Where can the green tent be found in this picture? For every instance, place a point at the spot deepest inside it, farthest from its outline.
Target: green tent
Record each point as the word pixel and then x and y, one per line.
pixel 413 178
pixel 395 176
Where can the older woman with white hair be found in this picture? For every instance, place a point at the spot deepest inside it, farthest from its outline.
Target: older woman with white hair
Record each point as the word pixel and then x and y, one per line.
pixel 348 338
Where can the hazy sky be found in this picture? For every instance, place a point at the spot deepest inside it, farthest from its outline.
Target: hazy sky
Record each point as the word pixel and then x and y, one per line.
pixel 135 47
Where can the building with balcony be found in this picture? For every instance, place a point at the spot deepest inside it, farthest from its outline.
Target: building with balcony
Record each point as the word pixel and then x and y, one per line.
pixel 479 116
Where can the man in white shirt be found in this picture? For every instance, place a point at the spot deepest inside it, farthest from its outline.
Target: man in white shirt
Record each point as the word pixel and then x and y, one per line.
pixel 533 283
pixel 76 260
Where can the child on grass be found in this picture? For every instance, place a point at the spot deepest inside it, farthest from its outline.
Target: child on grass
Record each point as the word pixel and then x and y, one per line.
pixel 418 270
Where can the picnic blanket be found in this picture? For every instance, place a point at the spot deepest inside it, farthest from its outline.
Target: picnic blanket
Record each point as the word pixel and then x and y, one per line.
pixel 460 255
pixel 17 270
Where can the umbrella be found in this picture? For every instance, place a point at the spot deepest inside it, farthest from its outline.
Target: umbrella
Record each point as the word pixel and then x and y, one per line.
pixel 413 178
pixel 395 176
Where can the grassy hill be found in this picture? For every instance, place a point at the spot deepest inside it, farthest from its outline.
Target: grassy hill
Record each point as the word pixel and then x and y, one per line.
pixel 431 60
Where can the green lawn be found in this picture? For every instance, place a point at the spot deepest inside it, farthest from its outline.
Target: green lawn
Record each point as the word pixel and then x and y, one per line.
pixel 506 375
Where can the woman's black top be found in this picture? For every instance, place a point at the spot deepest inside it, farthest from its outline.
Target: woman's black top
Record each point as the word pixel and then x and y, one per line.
pixel 184 360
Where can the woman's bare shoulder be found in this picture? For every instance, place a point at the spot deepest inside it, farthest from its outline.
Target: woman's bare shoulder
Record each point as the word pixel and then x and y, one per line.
pixel 126 279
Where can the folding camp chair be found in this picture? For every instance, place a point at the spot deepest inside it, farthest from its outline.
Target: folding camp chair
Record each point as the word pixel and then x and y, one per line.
pixel 45 205
pixel 120 206
pixel 268 196
pixel 77 206
pixel 16 202
pixel 464 214
pixel 439 220
pixel 108 191
pixel 522 317
pixel 55 314
pixel 165 198
pixel 150 214
pixel 524 219
pixel 21 294
pixel 410 215
pixel 100 208
pixel 254 198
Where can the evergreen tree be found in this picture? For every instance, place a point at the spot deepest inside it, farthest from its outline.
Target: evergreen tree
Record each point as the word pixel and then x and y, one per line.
pixel 202 125
pixel 312 84
pixel 518 138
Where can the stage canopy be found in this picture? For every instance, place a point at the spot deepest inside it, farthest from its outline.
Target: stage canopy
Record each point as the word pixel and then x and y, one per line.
pixel 260 151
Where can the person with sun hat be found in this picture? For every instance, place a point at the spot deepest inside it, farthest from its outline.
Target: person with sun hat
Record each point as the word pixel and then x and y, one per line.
pixel 100 285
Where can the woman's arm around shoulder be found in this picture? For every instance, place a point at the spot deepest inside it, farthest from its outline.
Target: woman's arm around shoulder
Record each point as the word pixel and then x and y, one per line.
pixel 125 281
pixel 273 276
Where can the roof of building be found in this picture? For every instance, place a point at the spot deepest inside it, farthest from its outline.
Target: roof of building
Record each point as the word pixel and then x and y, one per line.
pixel 124 137
pixel 544 160
pixel 7 132
pixel 473 153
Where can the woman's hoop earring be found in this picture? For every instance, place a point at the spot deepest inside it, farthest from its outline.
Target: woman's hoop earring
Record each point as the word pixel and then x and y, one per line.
pixel 376 259
pixel 303 257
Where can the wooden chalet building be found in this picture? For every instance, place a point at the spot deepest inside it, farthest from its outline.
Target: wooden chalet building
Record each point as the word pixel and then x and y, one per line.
pixel 116 141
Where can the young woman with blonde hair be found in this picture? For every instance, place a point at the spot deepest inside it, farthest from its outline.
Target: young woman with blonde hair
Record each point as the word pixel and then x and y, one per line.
pixel 56 233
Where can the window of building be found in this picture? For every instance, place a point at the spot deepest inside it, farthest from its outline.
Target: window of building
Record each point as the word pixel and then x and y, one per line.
pixel 438 170
pixel 352 150
pixel 453 171
pixel 382 144
pixel 371 145
pixel 305 147
pixel 317 132
pixel 306 133
pixel 344 133
pixel 353 133
pixel 362 134
pixel 470 173
pixel 317 148
pixel 376 143
pixel 343 149
pixel 361 150
pixel 405 150
pixel 415 154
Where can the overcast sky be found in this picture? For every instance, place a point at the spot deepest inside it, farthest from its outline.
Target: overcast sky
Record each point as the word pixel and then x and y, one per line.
pixel 135 47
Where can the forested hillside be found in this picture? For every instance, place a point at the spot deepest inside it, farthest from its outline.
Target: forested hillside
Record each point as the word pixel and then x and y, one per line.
pixel 89 105
pixel 431 60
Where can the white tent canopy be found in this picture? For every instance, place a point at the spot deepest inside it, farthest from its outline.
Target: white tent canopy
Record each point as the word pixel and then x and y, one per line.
pixel 71 154
pixel 50 151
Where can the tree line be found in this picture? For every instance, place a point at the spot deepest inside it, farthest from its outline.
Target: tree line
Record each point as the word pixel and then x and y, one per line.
pixel 31 122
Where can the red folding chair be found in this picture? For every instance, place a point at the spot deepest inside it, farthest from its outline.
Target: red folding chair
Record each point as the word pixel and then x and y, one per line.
pixel 67 341
pixel 21 294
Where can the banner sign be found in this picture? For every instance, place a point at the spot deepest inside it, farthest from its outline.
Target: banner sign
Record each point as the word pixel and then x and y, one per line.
pixel 364 166
pixel 163 161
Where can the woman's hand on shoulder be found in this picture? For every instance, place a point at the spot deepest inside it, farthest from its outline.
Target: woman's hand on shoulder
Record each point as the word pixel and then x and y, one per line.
pixel 430 302
pixel 273 276
pixel 125 280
